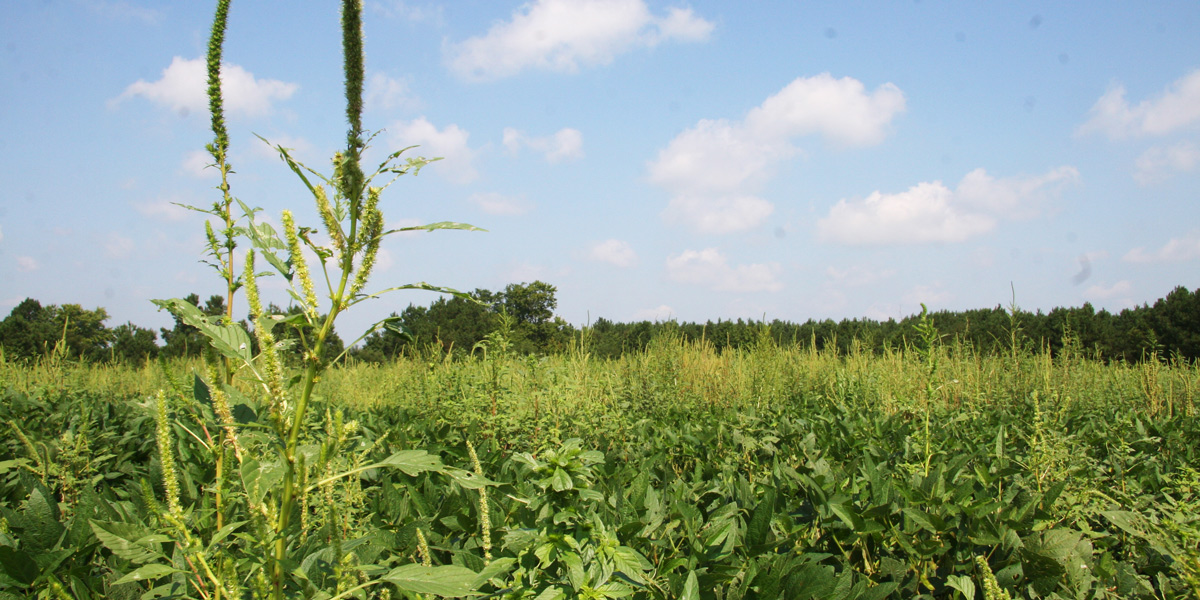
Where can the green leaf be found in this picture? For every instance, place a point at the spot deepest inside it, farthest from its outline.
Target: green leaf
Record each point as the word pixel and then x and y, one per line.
pixel 41 513
pixel 691 588
pixel 560 480
pixel 760 520
pixel 848 516
pixel 133 543
pixel 18 565
pixel 497 568
pixel 469 479
pixel 147 572
pixel 436 226
pixel 447 581
pixel 260 478
pixel 412 462
pixel 230 340
pixel 11 465
pixel 963 584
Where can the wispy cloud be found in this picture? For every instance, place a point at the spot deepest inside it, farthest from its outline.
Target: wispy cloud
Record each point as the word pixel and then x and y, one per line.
pixel 1175 250
pixel 183 89
pixel 388 93
pixel 931 212
pixel 118 246
pixel 494 203
pixel 451 143
pixel 1176 107
pixel 614 252
pixel 565 144
pixel 1161 162
pixel 565 35
pixel 715 169
pixel 162 210
pixel 661 312
pixel 27 264
pixel 709 268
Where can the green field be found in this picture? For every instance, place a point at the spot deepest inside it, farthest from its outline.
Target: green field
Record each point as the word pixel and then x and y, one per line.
pixel 675 472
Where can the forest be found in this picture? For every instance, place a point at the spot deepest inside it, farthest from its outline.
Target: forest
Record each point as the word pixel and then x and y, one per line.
pixel 524 315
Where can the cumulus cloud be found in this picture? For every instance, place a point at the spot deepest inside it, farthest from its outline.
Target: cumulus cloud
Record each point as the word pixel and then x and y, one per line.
pixel 565 35
pixel 1160 162
pixel 183 89
pixel 931 212
pixel 714 169
pixel 1175 250
pixel 450 143
pixel 565 144
pixel 494 203
pixel 709 268
pixel 614 252
pixel 27 264
pixel 1178 106
pixel 387 93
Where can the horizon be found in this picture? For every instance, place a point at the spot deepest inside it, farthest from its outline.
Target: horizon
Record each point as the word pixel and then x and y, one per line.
pixel 642 157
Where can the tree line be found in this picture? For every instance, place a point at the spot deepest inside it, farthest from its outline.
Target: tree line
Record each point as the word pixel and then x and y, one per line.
pixel 520 319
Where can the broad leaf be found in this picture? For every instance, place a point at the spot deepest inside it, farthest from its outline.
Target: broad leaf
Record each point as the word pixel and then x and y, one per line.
pixel 147 572
pixel 448 581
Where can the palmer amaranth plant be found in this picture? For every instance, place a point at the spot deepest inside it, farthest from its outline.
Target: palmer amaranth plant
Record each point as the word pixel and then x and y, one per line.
pixel 256 528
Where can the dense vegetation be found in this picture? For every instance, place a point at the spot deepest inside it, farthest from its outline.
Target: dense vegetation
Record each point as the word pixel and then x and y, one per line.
pixel 482 448
pixel 524 313
pixel 676 471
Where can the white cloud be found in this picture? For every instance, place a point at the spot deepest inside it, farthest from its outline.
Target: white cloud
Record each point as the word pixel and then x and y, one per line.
pixel 838 109
pixel 196 163
pixel 931 212
pixel 118 246
pixel 723 214
pixel 565 144
pixel 27 264
pixel 1101 292
pixel 660 313
pixel 1178 106
pixel 163 210
pixel 450 143
pixel 387 93
pixel 1160 162
pixel 564 35
pixel 183 89
pixel 1175 250
pixel 494 203
pixel 924 213
pixel 709 268
pixel 615 252
pixel 929 295
pixel 1014 197
pixel 714 169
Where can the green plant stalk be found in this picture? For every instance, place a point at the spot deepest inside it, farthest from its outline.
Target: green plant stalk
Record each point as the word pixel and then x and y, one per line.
pixel 349 178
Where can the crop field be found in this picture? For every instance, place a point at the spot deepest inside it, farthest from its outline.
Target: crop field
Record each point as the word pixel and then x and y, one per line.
pixel 676 472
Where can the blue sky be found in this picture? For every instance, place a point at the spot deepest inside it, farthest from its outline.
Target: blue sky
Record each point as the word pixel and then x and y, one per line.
pixel 703 160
